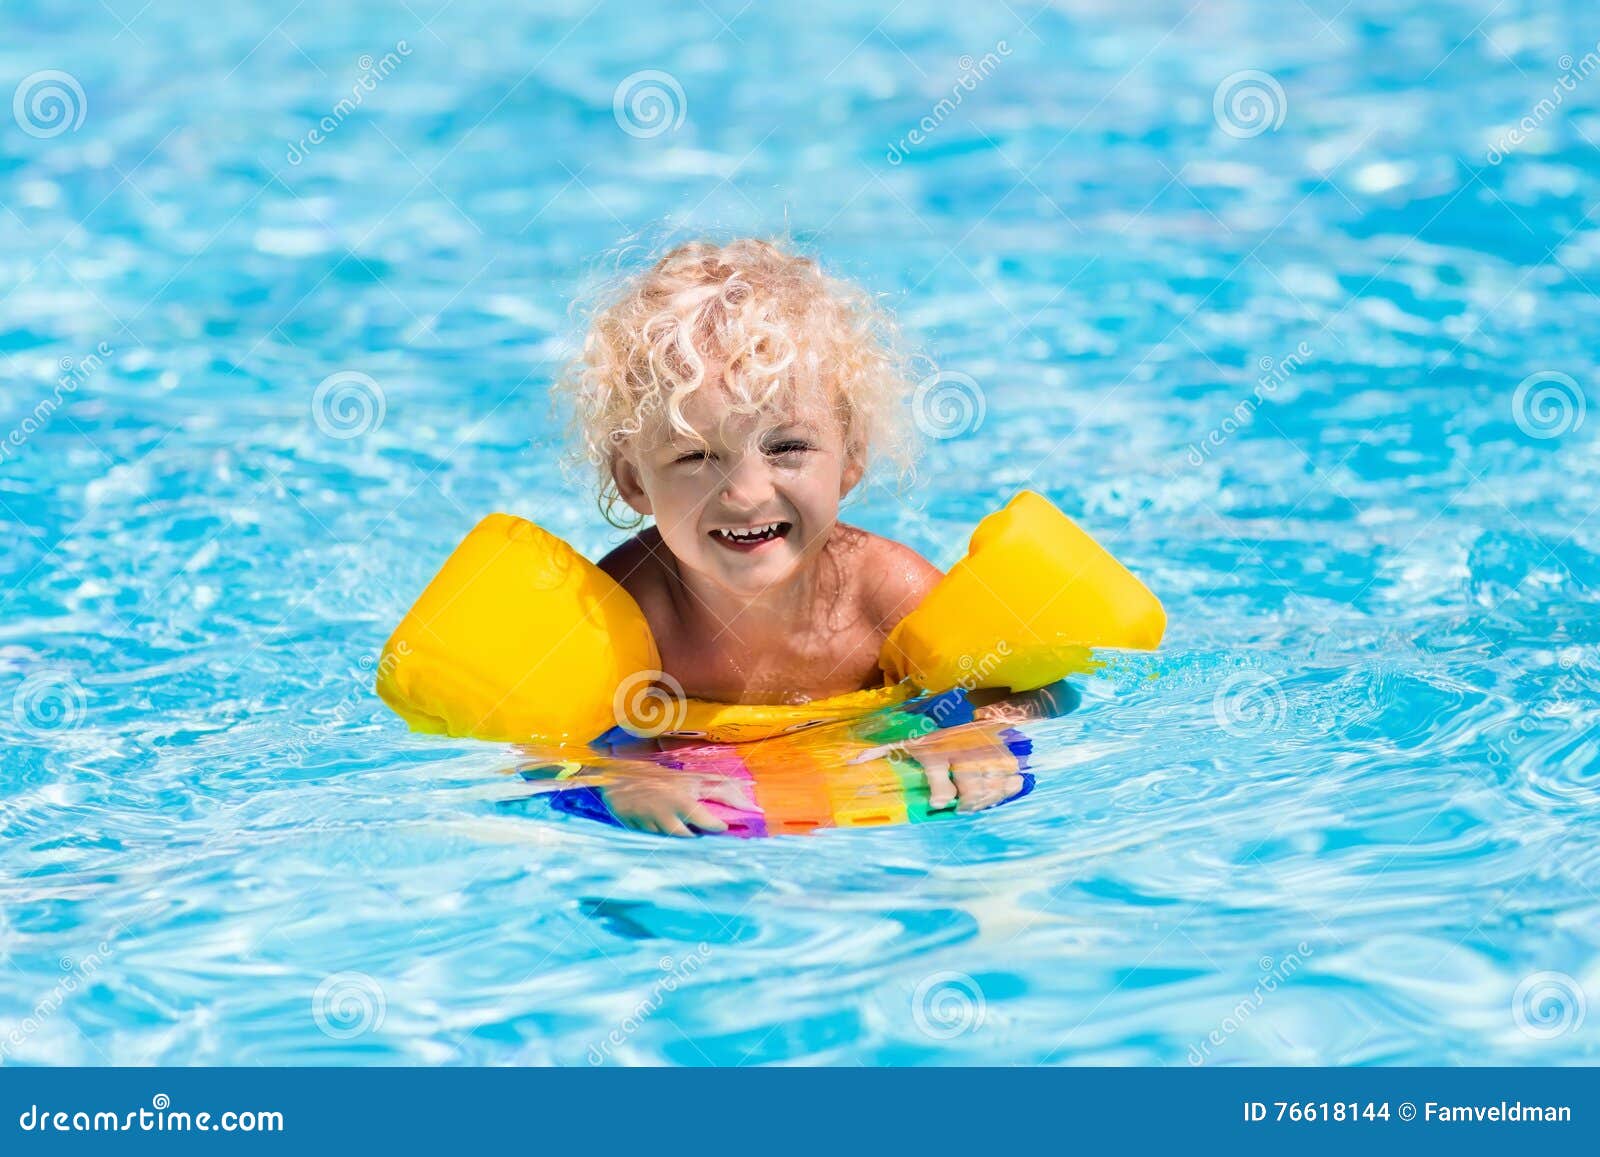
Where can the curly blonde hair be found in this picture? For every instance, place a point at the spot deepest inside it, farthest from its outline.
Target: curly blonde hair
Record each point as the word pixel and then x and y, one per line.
pixel 768 325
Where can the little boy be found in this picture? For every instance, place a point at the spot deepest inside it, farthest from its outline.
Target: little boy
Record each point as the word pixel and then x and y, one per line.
pixel 732 394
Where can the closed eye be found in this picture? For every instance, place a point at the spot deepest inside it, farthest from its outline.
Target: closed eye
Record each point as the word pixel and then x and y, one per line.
pixel 692 456
pixel 792 446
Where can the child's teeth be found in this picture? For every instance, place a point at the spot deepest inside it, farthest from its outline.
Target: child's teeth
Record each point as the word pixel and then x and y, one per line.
pixel 749 535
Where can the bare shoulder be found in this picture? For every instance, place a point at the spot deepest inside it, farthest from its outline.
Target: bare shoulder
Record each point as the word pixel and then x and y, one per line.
pixel 638 566
pixel 897 577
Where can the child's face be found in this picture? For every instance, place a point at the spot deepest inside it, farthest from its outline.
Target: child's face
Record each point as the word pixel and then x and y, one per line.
pixel 776 478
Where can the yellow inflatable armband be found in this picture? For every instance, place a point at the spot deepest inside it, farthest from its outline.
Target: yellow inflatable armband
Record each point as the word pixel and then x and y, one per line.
pixel 519 637
pixel 1022 609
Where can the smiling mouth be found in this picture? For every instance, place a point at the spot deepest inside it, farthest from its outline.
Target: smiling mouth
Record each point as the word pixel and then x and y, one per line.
pixel 750 537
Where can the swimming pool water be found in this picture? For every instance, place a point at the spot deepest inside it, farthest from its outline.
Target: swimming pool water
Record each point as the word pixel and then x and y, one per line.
pixel 1272 351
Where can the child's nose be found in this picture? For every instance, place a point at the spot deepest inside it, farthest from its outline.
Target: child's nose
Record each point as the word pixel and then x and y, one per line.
pixel 748 482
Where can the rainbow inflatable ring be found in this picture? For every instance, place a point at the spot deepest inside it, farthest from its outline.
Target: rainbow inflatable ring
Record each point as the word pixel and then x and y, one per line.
pixel 520 639
pixel 823 777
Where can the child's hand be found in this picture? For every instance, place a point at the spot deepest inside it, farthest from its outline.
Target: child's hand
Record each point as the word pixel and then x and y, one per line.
pixel 1008 711
pixel 1047 702
pixel 972 782
pixel 671 803
pixel 970 766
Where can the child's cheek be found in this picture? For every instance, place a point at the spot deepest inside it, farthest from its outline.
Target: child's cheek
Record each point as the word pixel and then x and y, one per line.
pixel 686 498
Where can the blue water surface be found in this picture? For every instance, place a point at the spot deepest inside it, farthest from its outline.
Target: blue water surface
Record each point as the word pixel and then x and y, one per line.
pixel 1347 815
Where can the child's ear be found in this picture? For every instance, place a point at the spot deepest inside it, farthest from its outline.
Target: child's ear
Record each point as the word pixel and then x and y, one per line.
pixel 852 474
pixel 626 475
